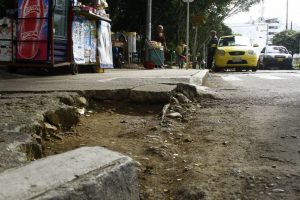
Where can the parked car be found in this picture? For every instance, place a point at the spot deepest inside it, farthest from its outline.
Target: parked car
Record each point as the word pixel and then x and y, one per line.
pixel 235 52
pixel 275 57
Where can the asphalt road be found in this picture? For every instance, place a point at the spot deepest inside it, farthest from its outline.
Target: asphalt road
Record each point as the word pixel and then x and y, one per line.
pixel 283 83
pixel 265 128
pixel 275 98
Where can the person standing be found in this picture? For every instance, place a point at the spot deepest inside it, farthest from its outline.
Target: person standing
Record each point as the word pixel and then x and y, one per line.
pixel 211 48
pixel 159 36
pixel 180 50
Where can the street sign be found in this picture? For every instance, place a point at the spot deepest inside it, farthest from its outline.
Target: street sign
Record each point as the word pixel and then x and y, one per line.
pixel 190 1
pixel 197 20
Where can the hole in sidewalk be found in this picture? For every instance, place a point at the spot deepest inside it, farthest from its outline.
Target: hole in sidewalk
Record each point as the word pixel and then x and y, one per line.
pixel 135 130
pixel 65 129
pixel 61 130
pixel 103 121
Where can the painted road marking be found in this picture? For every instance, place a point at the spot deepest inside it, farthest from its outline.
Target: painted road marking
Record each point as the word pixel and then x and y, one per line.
pixel 231 78
pixel 144 77
pixel 106 80
pixel 296 75
pixel 269 77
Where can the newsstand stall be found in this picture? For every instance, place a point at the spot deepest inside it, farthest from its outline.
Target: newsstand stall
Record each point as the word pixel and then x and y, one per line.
pixel 55 33
pixel 154 55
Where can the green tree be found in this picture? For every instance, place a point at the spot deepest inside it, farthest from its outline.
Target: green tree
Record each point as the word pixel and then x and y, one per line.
pixel 131 14
pixel 290 39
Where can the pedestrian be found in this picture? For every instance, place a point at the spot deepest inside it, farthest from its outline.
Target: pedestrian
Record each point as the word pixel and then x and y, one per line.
pixel 159 36
pixel 180 50
pixel 115 52
pixel 211 48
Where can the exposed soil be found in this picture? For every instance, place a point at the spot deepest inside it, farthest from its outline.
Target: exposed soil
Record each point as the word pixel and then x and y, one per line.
pixel 214 151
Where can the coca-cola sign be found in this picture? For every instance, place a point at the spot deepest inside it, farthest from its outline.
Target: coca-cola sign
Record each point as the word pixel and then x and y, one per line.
pixel 32 29
pixel 33 9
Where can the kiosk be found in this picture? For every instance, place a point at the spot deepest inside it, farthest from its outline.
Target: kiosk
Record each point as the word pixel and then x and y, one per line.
pixel 55 33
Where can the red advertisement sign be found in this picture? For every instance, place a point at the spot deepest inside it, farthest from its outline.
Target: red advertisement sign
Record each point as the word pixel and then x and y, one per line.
pixel 32 29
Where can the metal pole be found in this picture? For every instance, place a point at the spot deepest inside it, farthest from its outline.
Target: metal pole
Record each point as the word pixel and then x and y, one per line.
pixel 148 29
pixel 187 33
pixel 149 19
pixel 287 15
pixel 195 47
pixel 204 56
pixel 267 42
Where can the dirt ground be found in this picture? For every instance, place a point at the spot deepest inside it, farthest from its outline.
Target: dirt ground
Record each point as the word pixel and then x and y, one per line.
pixel 212 151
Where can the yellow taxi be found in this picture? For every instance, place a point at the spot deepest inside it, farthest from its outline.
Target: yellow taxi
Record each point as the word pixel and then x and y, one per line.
pixel 235 52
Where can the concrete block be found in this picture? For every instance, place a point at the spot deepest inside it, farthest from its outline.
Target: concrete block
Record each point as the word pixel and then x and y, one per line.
pixel 84 173
pixel 152 93
pixel 199 78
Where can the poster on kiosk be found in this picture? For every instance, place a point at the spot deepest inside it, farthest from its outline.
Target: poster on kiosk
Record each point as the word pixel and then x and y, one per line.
pixel 32 30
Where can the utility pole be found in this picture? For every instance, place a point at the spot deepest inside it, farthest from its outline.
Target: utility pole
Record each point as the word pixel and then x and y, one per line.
pixel 262 14
pixel 187 33
pixel 187 29
pixel 149 19
pixel 195 47
pixel 267 43
pixel 148 28
pixel 287 15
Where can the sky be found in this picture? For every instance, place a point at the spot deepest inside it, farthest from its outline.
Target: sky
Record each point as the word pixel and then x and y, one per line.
pixel 273 9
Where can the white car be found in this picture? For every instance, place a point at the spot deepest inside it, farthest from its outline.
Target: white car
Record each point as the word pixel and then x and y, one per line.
pixel 275 57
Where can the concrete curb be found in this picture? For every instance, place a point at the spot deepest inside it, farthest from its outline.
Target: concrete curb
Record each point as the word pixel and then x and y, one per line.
pixel 199 78
pixel 149 93
pixel 154 93
pixel 85 173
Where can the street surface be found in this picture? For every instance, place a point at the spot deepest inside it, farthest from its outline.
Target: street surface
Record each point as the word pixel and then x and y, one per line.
pixel 111 79
pixel 265 131
pixel 272 99
pixel 244 144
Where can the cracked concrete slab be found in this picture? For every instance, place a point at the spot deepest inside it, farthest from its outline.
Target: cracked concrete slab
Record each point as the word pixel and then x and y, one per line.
pixel 89 171
pixel 154 93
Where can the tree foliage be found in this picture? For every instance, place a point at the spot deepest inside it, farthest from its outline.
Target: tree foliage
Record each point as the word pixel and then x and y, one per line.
pixel 290 39
pixel 130 15
pixel 4 4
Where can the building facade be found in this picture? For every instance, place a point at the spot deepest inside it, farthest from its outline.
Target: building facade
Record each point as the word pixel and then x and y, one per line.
pixel 260 32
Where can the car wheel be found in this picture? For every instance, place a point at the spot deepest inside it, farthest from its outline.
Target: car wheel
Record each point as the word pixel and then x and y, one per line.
pixel 216 69
pixel 289 67
pixel 254 69
pixel 265 66
pixel 261 66
pixel 74 69
pixel 258 65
